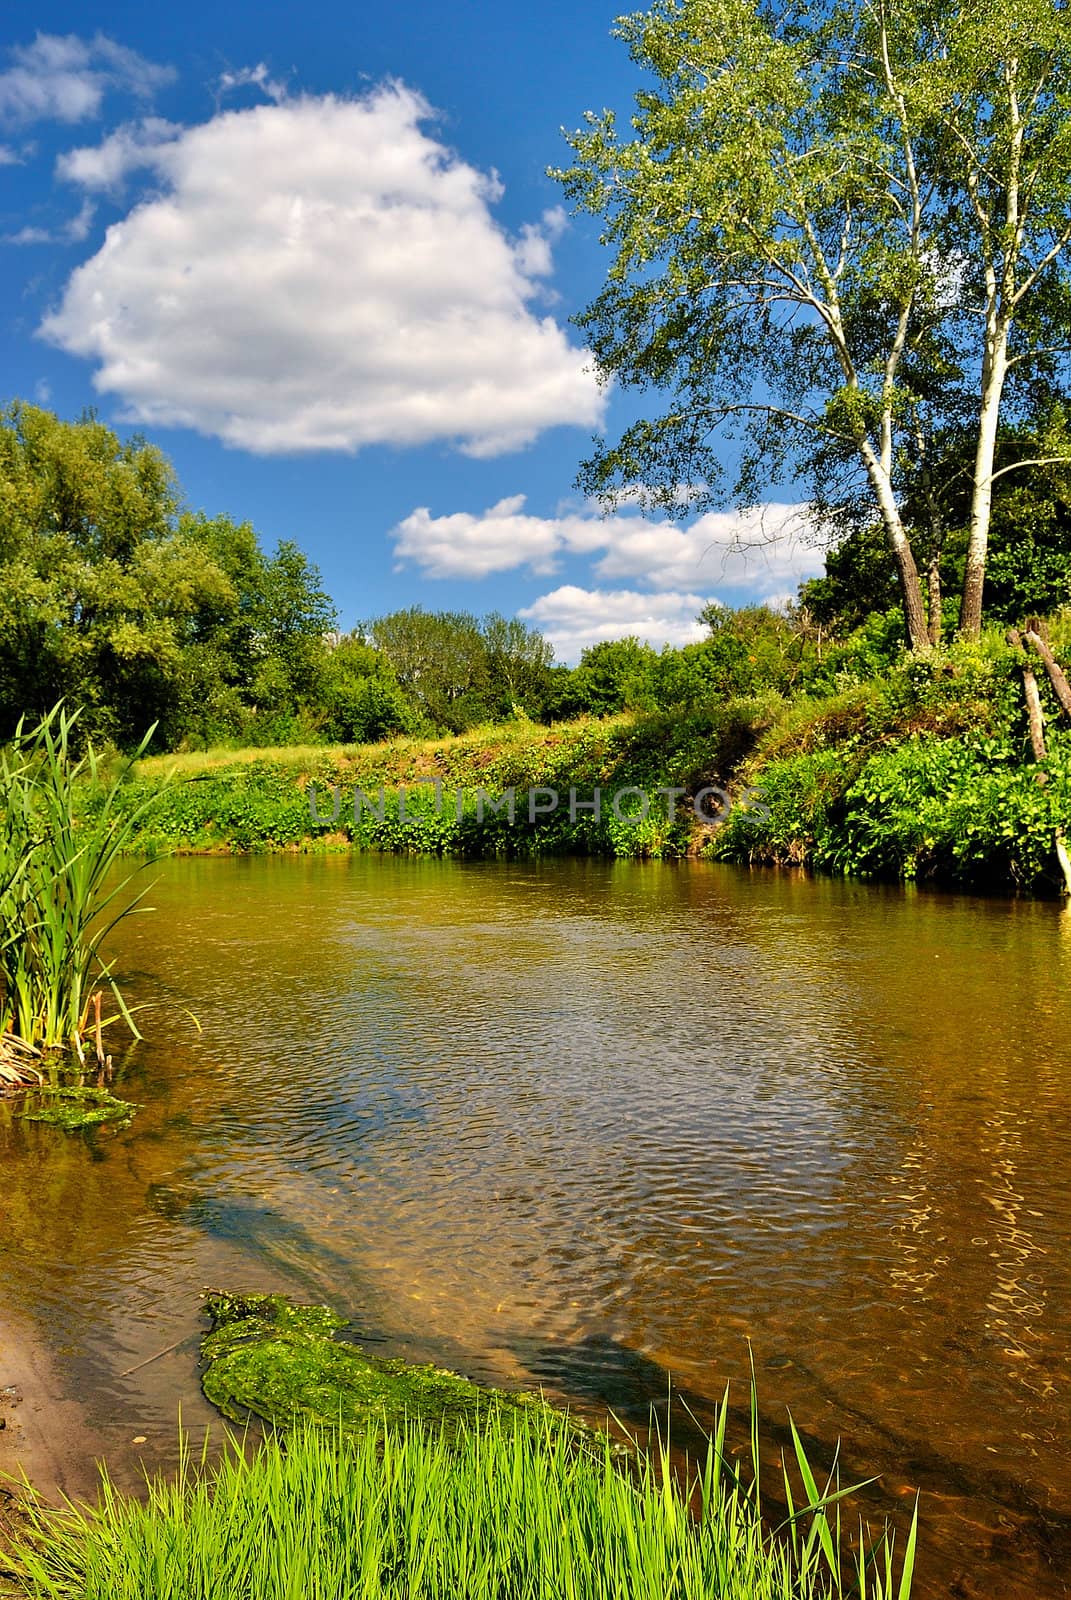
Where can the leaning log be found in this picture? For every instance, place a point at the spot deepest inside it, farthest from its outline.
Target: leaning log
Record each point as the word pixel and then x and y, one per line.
pixel 1035 715
pixel 1060 685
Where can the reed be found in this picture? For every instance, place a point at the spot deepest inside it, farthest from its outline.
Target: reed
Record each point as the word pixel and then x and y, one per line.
pixel 60 895
pixel 504 1510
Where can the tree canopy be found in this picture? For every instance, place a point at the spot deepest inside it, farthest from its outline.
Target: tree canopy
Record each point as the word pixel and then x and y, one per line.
pixel 117 599
pixel 839 230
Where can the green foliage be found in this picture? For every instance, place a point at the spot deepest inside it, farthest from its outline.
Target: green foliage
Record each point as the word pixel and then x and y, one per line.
pixel 615 675
pixel 364 700
pixel 804 797
pixel 922 774
pixel 59 896
pixel 263 803
pixel 1029 564
pixel 458 671
pixel 964 810
pixel 496 1512
pixel 140 613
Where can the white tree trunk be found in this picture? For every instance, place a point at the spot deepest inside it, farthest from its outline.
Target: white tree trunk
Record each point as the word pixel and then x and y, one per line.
pixel 996 370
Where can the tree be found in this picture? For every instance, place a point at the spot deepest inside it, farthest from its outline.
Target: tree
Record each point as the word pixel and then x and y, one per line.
pixel 363 699
pixel 519 660
pixel 116 599
pixel 1029 549
pixel 97 589
pixel 440 660
pixel 834 222
pixel 615 675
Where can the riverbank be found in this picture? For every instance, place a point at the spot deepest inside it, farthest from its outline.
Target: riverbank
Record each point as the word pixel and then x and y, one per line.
pixel 383 1478
pixel 922 772
pixel 44 1434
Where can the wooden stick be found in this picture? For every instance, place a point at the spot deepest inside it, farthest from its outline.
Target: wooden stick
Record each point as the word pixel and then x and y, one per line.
pixel 1061 687
pixel 97 998
pixel 1035 715
pixel 1037 725
pixel 150 1359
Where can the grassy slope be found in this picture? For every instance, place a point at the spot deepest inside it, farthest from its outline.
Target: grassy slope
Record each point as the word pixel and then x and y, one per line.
pixel 925 772
pixel 249 800
pixel 922 772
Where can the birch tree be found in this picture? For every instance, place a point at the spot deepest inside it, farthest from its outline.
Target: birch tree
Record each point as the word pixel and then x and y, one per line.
pixel 829 223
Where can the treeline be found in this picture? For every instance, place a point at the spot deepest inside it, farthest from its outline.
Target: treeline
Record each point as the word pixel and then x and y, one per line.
pixel 115 597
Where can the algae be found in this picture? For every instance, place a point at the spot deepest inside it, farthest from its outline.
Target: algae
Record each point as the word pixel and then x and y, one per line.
pixel 76 1106
pixel 282 1362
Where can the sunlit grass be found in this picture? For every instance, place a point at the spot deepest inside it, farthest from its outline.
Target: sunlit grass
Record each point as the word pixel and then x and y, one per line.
pixel 500 735
pixel 502 1511
pixel 59 894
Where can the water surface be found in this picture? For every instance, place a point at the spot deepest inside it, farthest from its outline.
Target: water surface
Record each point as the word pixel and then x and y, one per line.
pixel 588 1125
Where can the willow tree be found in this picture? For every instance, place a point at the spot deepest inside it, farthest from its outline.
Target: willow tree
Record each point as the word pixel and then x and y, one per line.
pixel 835 226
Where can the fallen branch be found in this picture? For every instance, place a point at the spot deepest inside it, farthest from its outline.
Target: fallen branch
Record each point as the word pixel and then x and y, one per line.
pixel 1061 687
pixel 1036 718
pixel 165 1352
pixel 1035 715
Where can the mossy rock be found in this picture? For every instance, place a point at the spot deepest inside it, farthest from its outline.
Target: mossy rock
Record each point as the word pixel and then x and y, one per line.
pixel 76 1107
pixel 282 1362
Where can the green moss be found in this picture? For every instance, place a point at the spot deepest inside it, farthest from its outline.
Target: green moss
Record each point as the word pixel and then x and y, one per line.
pixel 282 1362
pixel 73 1108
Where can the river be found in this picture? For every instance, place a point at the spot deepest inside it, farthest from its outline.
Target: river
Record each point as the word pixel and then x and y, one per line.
pixel 590 1126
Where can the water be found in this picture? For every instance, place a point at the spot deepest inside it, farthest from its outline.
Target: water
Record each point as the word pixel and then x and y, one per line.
pixel 587 1125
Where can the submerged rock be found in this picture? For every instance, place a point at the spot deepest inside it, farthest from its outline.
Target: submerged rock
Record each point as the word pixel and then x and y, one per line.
pixel 283 1363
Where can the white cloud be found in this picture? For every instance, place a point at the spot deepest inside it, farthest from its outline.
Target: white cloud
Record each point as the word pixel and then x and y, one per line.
pixel 9 157
pixel 64 77
pixel 106 165
pixel 505 536
pixel 322 275
pixel 573 618
pixel 761 551
pixel 256 77
pixel 74 231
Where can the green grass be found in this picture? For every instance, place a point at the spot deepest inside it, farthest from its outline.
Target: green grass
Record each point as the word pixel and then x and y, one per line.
pixel 920 771
pixel 392 760
pixel 59 894
pixel 496 1512
pixel 236 801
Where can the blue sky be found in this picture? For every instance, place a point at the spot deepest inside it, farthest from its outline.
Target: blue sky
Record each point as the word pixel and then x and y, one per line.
pixel 313 253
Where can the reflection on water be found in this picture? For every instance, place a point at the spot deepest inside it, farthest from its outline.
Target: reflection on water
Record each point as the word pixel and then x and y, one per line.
pixel 587 1125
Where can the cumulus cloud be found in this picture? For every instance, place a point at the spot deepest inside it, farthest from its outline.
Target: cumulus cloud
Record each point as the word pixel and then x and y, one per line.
pixel 464 545
pixel 573 618
pixel 8 156
pixel 322 275
pixel 762 551
pixel 106 166
pixel 65 78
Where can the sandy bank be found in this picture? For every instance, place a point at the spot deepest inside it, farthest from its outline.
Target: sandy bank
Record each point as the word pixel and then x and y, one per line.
pixel 43 1433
